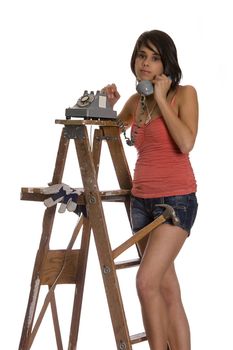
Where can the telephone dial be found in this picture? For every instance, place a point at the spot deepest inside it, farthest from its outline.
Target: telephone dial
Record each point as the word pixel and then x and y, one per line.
pixel 91 106
pixel 145 87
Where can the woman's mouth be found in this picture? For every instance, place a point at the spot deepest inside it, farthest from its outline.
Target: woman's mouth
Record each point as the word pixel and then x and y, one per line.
pixel 145 74
pixel 144 71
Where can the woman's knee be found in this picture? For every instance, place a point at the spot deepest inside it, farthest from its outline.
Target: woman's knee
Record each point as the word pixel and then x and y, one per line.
pixel 146 286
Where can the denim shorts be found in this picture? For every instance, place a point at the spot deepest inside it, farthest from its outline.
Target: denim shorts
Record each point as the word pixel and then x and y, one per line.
pixel 145 210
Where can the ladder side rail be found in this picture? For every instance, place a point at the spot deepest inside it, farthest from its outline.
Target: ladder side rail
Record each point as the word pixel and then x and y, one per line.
pixel 96 149
pixel 83 256
pixel 113 138
pixel 35 281
pixel 61 158
pixel 97 219
pixel 50 298
pixel 79 287
pixel 112 135
pixel 48 220
pixel 56 322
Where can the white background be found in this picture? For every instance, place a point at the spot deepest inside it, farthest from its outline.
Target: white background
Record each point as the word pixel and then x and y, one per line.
pixel 50 52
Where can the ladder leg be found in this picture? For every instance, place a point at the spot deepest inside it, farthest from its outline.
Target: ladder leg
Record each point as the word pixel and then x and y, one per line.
pixel 96 150
pixel 61 159
pixel 119 160
pixel 56 322
pixel 43 249
pixel 96 216
pixel 81 274
pixel 35 283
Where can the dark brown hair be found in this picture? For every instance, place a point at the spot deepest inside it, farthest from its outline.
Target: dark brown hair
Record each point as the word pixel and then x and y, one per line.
pixel 167 50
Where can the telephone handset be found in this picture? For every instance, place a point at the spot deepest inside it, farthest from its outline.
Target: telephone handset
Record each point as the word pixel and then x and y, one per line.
pixel 145 87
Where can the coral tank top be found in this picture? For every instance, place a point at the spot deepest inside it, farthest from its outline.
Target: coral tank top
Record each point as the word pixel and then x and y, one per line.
pixel 161 170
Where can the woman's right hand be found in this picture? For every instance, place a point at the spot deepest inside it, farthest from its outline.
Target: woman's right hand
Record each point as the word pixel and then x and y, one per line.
pixel 111 93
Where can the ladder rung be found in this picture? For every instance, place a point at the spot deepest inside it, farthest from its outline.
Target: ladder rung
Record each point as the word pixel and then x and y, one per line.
pixel 127 263
pixel 138 338
pixel 114 195
pixel 36 194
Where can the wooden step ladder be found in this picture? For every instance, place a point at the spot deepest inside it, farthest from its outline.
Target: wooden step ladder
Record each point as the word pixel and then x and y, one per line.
pixel 68 266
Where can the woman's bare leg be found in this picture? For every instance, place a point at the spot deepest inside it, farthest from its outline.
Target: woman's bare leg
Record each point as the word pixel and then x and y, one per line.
pixel 178 327
pixel 163 245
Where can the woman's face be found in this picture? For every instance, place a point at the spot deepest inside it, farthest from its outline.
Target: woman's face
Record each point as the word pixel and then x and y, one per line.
pixel 148 63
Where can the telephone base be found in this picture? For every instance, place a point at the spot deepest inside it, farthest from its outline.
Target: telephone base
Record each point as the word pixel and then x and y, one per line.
pixel 90 113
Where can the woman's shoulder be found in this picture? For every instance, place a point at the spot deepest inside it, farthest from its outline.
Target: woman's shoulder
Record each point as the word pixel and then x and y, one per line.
pixel 183 93
pixel 183 90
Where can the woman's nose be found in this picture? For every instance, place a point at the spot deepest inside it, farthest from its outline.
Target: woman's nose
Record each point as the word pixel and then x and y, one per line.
pixel 146 62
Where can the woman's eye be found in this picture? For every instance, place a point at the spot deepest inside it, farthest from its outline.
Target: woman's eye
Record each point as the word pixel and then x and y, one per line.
pixel 141 55
pixel 155 58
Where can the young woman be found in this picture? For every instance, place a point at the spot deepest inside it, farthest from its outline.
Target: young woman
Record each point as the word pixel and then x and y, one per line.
pixel 163 130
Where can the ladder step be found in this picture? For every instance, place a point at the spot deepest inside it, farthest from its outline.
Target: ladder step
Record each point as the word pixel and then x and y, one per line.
pixel 127 263
pixel 37 194
pixel 138 338
pixel 115 195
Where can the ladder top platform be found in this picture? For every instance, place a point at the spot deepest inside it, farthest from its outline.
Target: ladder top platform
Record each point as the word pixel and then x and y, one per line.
pixel 97 122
